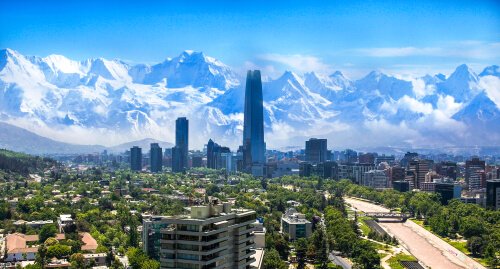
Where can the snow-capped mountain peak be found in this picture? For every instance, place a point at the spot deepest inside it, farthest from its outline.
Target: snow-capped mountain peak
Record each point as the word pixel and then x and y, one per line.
pixel 462 84
pixel 111 101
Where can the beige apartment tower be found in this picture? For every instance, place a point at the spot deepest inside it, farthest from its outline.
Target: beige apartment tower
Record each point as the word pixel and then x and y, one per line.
pixel 212 236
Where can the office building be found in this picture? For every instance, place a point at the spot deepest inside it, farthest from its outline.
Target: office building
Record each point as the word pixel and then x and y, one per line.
pixel 212 236
pixel 316 150
pixel 409 156
pixel 397 173
pixel 390 159
pixel 447 169
pixel 180 151
pixel 136 158
pixel 427 186
pixel 211 145
pixel 348 156
pixel 295 225
pixel 376 179
pixel 473 173
pixel 156 158
pixel 367 158
pixel 448 191
pixel 493 194
pixel 253 147
pixel 217 156
pixel 401 186
pixel 197 161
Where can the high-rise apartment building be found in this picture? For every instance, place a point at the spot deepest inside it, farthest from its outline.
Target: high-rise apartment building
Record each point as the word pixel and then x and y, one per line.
pixel 212 236
pixel 156 158
pixel 474 169
pixel 420 168
pixel 180 151
pixel 253 147
pixel 136 158
pixel 316 150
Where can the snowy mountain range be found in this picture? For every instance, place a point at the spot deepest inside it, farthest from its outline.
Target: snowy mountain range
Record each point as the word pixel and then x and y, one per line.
pixel 108 102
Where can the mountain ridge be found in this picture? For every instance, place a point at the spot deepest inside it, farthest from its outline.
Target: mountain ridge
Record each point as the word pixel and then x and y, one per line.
pixel 110 101
pixel 21 140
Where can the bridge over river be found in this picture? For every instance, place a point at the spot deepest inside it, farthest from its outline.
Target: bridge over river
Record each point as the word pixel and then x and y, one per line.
pixel 386 215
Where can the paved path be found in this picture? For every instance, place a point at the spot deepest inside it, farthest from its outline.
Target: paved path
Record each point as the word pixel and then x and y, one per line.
pixel 425 246
pixel 339 261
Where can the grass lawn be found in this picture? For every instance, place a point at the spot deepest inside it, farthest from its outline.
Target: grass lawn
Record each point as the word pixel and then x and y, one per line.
pixel 460 245
pixel 364 228
pixel 394 261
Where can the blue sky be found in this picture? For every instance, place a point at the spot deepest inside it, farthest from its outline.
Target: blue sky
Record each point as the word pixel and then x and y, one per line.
pixel 413 37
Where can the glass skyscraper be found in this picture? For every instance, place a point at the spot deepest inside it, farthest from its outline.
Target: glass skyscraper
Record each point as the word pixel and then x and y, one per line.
pixel 180 151
pixel 136 158
pixel 156 158
pixel 254 146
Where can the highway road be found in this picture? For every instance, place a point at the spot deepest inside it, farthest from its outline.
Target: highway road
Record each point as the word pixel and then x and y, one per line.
pixel 425 246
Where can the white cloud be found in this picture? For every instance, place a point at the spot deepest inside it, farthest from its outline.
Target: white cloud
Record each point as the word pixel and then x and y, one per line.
pixel 461 49
pixel 414 105
pixel 420 88
pixel 447 105
pixel 298 62
pixel 492 86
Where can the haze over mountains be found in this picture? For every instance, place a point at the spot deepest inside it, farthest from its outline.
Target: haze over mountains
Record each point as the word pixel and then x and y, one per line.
pixel 108 102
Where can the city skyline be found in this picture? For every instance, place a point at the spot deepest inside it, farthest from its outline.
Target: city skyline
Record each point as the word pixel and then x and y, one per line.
pixel 252 135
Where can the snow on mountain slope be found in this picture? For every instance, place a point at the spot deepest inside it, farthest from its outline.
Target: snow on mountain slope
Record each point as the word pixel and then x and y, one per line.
pixel 462 84
pixel 191 68
pixel 332 87
pixel 104 101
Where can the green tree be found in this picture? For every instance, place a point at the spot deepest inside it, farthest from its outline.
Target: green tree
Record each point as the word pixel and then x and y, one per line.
pixel 490 254
pixel 136 257
pixel 133 235
pixel 47 231
pixel 41 256
pixel 272 260
pixel 51 241
pixel 322 252
pixel 78 261
pixel 301 248
pixel 472 226
pixel 150 264
pixel 475 245
pixel 59 251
